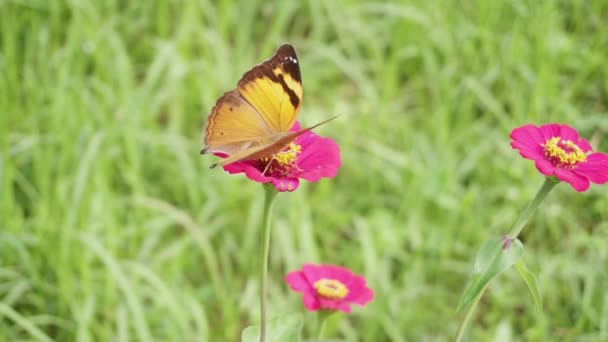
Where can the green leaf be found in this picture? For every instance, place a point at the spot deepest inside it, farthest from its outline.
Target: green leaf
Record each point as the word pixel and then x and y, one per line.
pixel 285 328
pixel 532 283
pixel 494 256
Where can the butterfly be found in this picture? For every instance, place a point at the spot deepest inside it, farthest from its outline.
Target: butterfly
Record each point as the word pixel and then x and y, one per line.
pixel 254 120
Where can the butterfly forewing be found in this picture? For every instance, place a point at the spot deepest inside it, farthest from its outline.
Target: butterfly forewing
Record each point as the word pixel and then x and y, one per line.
pixel 274 88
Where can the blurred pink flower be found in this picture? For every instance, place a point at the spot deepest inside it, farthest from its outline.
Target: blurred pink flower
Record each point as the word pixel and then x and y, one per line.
pixel 329 287
pixel 559 151
pixel 309 157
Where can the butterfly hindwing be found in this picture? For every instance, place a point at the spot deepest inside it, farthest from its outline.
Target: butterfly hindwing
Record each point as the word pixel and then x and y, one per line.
pixel 234 125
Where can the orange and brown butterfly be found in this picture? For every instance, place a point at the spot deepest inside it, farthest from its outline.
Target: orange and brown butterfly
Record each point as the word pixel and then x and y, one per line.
pixel 254 120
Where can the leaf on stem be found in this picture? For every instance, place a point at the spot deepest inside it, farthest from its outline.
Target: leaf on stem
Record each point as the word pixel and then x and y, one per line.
pixel 494 256
pixel 532 283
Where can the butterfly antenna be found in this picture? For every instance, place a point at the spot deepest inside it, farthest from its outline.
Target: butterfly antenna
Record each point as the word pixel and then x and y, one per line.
pixel 322 122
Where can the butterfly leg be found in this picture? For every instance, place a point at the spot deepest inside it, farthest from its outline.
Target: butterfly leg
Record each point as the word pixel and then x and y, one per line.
pixel 297 166
pixel 267 166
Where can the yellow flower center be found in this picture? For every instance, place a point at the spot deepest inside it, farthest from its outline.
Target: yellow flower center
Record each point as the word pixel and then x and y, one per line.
pixel 565 153
pixel 330 288
pixel 287 156
pixel 280 164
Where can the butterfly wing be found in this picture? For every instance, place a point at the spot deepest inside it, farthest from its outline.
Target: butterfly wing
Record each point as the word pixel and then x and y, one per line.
pixel 262 108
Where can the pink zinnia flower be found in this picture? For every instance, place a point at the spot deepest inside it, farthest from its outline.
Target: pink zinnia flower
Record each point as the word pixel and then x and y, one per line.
pixel 309 157
pixel 559 152
pixel 329 287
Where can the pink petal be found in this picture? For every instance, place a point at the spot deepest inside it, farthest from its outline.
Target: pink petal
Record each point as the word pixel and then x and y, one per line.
pixel 527 135
pixel 312 273
pixel 359 292
pixel 545 167
pixel 568 133
pixel 320 158
pixel 342 274
pixel 296 126
pixel 344 307
pixel 578 182
pixel 550 131
pixel 584 145
pixel 311 302
pixel 297 282
pixel 331 304
pixel 595 169
pixel 353 281
pixel 250 171
pixel 528 152
pixel 364 296
pixel 288 184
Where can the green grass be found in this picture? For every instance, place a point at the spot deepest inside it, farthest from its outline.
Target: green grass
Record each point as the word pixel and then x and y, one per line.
pixel 113 228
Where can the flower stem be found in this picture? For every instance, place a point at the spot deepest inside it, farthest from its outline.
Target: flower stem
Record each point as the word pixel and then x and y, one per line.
pixel 524 217
pixel 323 317
pixel 467 317
pixel 270 194
pixel 521 222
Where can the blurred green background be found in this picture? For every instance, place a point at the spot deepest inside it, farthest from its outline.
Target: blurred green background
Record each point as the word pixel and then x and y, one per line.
pixel 113 228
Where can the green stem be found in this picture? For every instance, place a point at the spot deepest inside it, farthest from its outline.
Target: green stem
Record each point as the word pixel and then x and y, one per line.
pixel 270 194
pixel 521 222
pixel 467 317
pixel 524 217
pixel 323 318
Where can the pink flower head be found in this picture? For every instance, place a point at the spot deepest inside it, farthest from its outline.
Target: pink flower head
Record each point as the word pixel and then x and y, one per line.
pixel 310 157
pixel 559 152
pixel 329 287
